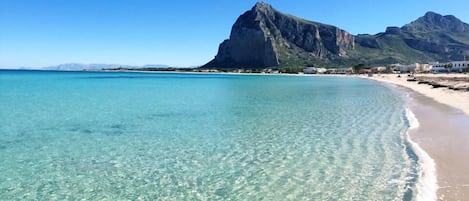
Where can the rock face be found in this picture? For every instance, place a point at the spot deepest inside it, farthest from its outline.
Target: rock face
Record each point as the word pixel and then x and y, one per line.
pixel 251 43
pixel 264 37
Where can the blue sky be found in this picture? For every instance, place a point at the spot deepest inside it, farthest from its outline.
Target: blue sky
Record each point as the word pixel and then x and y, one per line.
pixel 37 33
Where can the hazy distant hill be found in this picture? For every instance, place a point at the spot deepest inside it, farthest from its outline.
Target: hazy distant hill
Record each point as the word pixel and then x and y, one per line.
pixel 264 37
pixel 79 66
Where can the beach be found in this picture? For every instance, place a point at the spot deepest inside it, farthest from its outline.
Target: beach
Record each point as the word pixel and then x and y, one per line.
pixel 443 131
pixel 453 98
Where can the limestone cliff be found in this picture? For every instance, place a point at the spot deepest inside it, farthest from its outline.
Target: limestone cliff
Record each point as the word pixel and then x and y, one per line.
pixel 264 37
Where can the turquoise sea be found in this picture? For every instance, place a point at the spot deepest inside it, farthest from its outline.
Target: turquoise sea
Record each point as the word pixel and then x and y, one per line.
pixel 171 136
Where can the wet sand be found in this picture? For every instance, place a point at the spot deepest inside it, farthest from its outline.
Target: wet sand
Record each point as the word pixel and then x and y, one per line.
pixel 444 135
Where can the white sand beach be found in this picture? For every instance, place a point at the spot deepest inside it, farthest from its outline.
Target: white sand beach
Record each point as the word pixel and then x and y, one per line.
pixel 443 115
pixel 457 99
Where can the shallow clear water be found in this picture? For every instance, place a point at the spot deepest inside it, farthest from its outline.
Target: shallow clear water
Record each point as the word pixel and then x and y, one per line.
pixel 116 136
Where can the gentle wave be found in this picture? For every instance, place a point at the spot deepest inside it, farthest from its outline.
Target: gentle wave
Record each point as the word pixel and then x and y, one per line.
pixel 427 184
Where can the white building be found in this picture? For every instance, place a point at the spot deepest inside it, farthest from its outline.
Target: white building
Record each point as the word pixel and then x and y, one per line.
pixel 423 68
pixel 459 66
pixel 313 70
pixel 454 66
pixel 406 68
pixel 321 70
pixel 439 67
pixel 310 70
pixel 378 69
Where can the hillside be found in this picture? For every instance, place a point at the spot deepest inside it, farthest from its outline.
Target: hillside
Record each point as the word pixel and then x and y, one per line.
pixel 264 37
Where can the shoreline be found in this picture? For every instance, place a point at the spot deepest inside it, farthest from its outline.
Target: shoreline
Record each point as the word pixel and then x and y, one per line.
pixel 442 176
pixel 429 107
pixel 452 98
pixel 427 185
pixel 438 121
pixel 441 132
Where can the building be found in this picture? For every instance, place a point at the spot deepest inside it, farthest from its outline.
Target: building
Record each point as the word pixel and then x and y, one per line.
pixel 310 70
pixel 313 70
pixel 459 66
pixel 365 71
pixel 344 70
pixel 339 71
pixel 378 69
pixel 394 68
pixel 270 71
pixel 423 68
pixel 321 70
pixel 454 66
pixel 406 68
pixel 439 67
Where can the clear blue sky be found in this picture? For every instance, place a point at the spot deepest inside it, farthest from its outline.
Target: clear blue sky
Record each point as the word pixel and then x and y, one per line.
pixel 37 33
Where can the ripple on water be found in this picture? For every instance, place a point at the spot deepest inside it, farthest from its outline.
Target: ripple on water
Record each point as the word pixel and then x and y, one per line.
pixel 203 138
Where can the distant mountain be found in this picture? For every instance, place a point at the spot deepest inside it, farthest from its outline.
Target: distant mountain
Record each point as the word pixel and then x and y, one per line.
pixel 79 66
pixel 264 37
pixel 155 66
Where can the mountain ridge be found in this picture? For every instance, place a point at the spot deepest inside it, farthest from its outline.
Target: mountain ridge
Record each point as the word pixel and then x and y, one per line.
pixel 264 37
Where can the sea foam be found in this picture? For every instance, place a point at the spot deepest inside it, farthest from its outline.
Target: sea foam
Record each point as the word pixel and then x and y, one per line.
pixel 427 184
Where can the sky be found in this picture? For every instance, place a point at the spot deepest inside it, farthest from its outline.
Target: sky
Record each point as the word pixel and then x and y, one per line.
pixel 181 33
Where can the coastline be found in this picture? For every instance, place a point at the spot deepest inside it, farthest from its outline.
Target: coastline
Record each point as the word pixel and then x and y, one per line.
pixel 442 117
pixel 456 99
pixel 438 133
pixel 437 113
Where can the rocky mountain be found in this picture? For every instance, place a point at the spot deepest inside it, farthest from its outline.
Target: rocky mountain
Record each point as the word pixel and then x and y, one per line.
pixel 264 37
pixel 432 37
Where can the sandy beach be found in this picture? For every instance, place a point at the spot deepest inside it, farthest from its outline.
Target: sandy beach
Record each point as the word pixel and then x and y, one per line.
pixel 456 99
pixel 443 115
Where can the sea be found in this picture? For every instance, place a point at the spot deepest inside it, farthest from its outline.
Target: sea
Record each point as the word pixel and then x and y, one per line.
pixel 183 136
